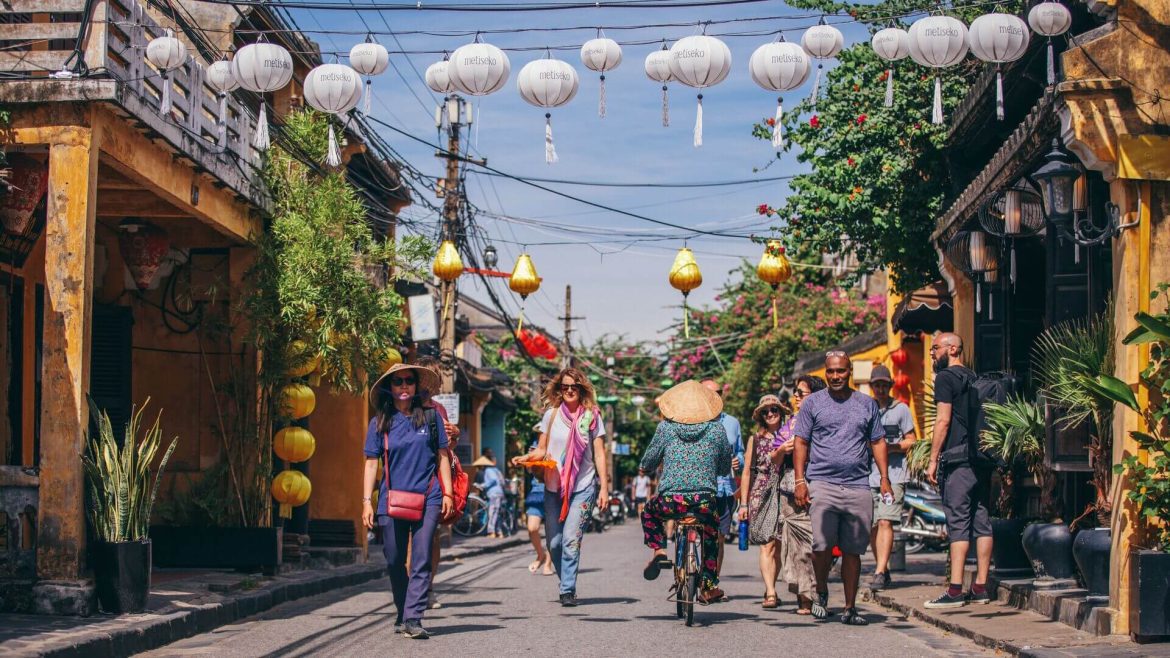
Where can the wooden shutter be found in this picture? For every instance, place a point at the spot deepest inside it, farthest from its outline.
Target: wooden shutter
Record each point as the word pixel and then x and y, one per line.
pixel 110 363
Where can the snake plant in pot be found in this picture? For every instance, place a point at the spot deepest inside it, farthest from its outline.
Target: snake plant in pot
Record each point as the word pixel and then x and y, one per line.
pixel 121 494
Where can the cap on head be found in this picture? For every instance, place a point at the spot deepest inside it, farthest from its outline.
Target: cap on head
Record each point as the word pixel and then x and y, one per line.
pixel 880 374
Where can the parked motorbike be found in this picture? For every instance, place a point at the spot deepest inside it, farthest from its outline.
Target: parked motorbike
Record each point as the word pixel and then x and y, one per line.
pixel 618 507
pixel 923 523
pixel 597 520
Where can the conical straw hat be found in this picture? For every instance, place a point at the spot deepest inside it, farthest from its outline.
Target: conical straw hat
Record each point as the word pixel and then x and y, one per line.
pixel 689 403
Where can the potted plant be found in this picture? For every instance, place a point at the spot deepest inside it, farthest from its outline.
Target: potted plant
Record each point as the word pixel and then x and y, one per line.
pixel 121 494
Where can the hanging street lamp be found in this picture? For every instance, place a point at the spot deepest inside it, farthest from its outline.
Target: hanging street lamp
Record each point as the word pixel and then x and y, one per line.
pixel 685 276
pixel 490 257
pixel 773 270
pixel 523 282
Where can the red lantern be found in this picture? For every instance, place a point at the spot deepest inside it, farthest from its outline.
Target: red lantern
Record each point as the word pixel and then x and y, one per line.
pixel 27 184
pixel 902 381
pixel 536 344
pixel 143 247
pixel 899 357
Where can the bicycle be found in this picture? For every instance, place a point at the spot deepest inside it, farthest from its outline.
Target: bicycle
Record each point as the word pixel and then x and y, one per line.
pixel 474 520
pixel 688 562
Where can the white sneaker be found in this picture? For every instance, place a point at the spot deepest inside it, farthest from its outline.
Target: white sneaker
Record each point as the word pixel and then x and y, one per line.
pixel 433 602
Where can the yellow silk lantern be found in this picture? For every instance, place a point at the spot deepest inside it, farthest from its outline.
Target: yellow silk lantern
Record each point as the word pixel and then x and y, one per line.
pixel 774 270
pixel 685 277
pixel 448 265
pixel 524 282
pixel 391 357
pixel 294 444
pixel 301 362
pixel 297 401
pixel 291 489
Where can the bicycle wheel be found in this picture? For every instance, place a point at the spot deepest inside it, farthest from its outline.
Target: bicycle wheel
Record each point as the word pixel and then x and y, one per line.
pixel 692 594
pixel 694 560
pixel 474 519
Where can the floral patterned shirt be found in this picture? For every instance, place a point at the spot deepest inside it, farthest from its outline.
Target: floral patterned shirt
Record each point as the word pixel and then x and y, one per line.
pixel 692 456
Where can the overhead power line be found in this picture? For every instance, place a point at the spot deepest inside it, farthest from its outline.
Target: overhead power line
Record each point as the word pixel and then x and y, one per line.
pixel 560 181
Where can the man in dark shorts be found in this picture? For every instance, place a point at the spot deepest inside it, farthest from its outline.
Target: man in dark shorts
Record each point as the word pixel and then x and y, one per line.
pixel 965 487
pixel 725 485
pixel 837 432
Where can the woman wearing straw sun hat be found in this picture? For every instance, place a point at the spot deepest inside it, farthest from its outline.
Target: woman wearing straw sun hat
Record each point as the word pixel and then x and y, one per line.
pixel 767 449
pixel 410 442
pixel 493 488
pixel 691 445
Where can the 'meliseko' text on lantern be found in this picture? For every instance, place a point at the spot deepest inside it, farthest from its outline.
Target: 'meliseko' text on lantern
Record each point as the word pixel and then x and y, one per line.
pixel 294 444
pixel 998 38
pixel 891 44
pixel 547 83
pixel 821 42
pixel 291 489
pixel 262 67
pixel 478 69
pixel 219 77
pixel 779 66
pixel 1050 19
pixel 773 270
pixel 297 401
pixel 700 61
pixel 166 53
pixel 601 54
pixel 333 89
pixel 938 42
pixel 369 59
pixel 438 77
pixel 523 282
pixel 684 277
pixel 658 69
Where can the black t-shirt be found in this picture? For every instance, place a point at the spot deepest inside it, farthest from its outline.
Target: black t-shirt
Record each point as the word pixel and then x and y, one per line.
pixel 950 386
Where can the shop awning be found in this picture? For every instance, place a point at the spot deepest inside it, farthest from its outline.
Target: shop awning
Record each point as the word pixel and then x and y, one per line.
pixel 927 309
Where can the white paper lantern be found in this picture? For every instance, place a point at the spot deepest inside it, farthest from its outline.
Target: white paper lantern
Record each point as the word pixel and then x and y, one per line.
pixel 821 42
pixel 478 69
pixel 658 69
pixel 1050 19
pixel 262 67
pixel 938 42
pixel 369 58
pixel 547 83
pixel 166 53
pixel 333 89
pixel 438 77
pixel 700 61
pixel 998 38
pixel 779 66
pixel 602 55
pixel 891 44
pixel 219 77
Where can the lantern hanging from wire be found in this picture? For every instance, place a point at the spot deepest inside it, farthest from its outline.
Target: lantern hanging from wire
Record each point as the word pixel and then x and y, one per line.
pixel 685 276
pixel 291 489
pixel 998 39
pixel 294 444
pixel 976 254
pixel 547 83
pixel 300 359
pixel 700 61
pixel 658 69
pixel 166 53
pixel 779 66
pixel 774 269
pixel 523 282
pixel 143 246
pixel 438 76
pixel 262 67
pixel 448 266
pixel 1013 213
pixel 891 44
pixel 490 257
pixel 333 89
pixel 219 77
pixel 899 358
pixel 821 42
pixel 938 42
pixel 1050 19
pixel 369 59
pixel 297 401
pixel 602 55
pixel 478 68
pixel 390 358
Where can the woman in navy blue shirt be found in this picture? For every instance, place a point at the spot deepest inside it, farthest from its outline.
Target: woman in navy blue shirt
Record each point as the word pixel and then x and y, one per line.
pixel 400 438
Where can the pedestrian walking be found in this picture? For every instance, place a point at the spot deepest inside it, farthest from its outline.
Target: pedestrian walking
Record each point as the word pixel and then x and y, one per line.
pixel 573 436
pixel 898 423
pixel 643 489
pixel 767 449
pixel 963 479
pixel 796 564
pixel 837 432
pixel 452 439
pixel 411 443
pixel 534 518
pixel 493 488
pixel 726 484
pixel 691 447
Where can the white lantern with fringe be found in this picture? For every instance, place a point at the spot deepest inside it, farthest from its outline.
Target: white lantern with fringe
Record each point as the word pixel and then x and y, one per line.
pixel 658 69
pixel 438 77
pixel 938 42
pixel 891 44
pixel 479 69
pixel 700 61
pixel 166 53
pixel 333 89
pixel 547 83
pixel 601 54
pixel 369 58
pixel 821 42
pixel 1050 19
pixel 998 38
pixel 262 67
pixel 219 77
pixel 779 66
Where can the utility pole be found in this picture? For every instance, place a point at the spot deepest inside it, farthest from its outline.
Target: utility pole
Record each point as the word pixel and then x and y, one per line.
pixel 567 357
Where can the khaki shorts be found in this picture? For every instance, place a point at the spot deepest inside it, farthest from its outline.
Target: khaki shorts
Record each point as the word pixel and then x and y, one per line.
pixel 841 516
pixel 892 512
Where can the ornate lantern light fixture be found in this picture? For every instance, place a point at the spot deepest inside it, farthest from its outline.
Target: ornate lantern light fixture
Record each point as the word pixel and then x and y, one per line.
pixel 1013 213
pixel 976 254
pixel 1056 178
pixel 1065 186
pixel 490 257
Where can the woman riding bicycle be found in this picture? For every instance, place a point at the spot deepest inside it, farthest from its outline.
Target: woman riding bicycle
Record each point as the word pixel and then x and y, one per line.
pixel 691 446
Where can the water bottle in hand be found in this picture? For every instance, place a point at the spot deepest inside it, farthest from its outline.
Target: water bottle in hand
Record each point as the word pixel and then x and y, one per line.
pixel 743 535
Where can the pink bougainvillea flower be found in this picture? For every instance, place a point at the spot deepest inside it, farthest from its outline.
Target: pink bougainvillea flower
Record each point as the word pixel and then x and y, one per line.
pixel 771 121
pixel 852 162
pixel 861 119
pixel 815 121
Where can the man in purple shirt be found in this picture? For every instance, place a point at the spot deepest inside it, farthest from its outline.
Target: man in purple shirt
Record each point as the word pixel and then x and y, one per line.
pixel 837 432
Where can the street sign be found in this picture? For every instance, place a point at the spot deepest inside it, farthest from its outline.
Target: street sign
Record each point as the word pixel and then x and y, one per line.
pixel 450 402
pixel 423 325
pixel 621 448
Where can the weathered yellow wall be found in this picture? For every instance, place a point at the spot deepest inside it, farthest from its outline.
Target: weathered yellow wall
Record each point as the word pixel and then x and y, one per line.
pixel 339 425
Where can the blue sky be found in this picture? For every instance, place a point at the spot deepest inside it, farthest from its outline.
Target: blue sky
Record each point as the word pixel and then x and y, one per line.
pixel 619 288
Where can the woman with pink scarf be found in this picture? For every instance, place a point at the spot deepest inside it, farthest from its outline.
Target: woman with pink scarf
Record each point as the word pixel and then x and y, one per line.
pixel 572 435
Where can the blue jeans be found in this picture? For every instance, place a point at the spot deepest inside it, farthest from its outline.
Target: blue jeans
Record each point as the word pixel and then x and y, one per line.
pixel 493 522
pixel 564 539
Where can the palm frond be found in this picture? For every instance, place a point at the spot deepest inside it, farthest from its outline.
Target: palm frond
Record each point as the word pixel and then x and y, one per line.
pixel 1015 431
pixel 1068 355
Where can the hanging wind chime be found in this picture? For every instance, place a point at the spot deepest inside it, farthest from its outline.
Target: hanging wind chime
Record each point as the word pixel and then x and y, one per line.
pixel 602 55
pixel 658 69
pixel 369 59
pixel 700 61
pixel 547 83
pixel 448 266
pixel 891 44
pixel 523 282
pixel 998 39
pixel 773 270
pixel 333 89
pixel 262 67
pixel 821 42
pixel 685 276
pixel 938 42
pixel 220 78
pixel 779 66
pixel 1050 19
pixel 166 53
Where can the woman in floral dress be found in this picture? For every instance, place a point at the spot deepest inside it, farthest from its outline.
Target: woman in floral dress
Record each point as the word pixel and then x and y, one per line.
pixel 760 503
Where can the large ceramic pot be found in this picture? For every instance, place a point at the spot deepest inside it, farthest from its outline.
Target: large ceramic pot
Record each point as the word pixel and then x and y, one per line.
pixel 1091 550
pixel 1007 554
pixel 1149 595
pixel 122 575
pixel 1049 549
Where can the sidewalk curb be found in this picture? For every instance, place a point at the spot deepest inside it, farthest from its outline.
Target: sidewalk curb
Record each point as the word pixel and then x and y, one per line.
pixel 982 640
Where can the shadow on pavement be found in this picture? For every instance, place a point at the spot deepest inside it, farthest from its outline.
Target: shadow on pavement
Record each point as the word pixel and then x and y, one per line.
pixel 467 604
pixel 606 600
pixel 438 631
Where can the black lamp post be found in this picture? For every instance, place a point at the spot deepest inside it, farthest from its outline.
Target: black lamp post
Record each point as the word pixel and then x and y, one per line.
pixel 490 257
pixel 1056 179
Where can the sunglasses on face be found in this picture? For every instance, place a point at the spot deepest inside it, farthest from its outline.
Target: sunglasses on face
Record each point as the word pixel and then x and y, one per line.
pixel 403 381
pixel 798 393
pixel 772 411
pixel 569 388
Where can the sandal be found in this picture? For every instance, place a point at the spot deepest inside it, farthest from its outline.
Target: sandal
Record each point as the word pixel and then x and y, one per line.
pixel 771 602
pixel 655 566
pixel 820 606
pixel 713 595
pixel 852 618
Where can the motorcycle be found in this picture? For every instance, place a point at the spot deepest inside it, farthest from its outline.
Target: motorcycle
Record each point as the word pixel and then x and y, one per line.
pixel 597 520
pixel 924 525
pixel 618 508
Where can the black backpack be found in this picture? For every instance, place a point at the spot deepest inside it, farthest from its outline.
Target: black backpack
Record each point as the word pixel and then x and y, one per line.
pixel 977 391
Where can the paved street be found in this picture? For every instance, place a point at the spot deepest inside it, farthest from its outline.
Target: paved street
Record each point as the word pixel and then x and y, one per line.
pixel 493 606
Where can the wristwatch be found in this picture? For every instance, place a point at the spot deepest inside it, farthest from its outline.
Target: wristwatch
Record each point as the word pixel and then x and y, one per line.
pixel 366 499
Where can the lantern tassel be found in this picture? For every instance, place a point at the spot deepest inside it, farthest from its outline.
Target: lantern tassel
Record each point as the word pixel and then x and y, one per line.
pixel 816 87
pixel 699 123
pixel 686 319
pixel 775 314
pixel 520 320
pixel 601 99
pixel 890 87
pixel 165 104
pixel 936 116
pixel 778 129
pixel 333 159
pixel 285 511
pixel 221 124
pixel 260 141
pixel 1013 266
pixel 978 298
pixel 990 306
pixel 550 149
pixel 1051 64
pixel 368 99
pixel 998 93
pixel 665 108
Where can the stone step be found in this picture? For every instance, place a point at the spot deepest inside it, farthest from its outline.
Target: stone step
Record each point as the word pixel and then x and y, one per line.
pixel 1068 605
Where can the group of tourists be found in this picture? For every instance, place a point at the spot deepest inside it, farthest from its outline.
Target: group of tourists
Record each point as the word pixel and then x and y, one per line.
pixel 823 477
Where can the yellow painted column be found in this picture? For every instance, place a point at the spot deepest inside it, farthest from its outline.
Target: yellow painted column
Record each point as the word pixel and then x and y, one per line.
pixel 69 247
